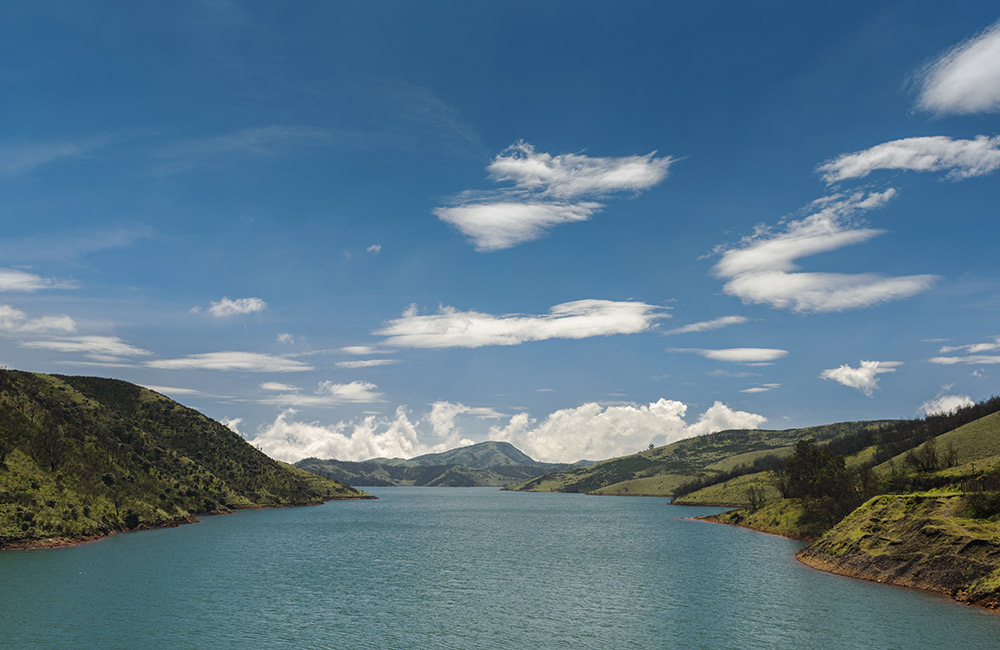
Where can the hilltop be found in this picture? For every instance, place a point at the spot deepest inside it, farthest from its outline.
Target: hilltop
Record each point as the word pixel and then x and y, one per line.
pixel 82 457
pixel 490 463
pixel 661 470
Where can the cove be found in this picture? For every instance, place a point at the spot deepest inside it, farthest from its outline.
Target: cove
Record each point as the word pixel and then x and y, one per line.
pixel 461 568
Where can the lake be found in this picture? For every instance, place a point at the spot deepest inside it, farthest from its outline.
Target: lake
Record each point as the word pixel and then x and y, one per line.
pixel 462 568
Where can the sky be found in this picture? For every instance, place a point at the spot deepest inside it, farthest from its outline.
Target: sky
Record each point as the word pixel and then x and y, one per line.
pixel 362 229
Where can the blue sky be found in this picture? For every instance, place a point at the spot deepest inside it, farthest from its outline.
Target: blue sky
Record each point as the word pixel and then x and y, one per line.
pixel 364 229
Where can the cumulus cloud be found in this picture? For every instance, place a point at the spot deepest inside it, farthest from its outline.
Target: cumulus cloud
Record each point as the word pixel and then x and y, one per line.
pixel 99 348
pixel 592 431
pixel 944 404
pixel 14 321
pixel 959 158
pixel 285 337
pixel 374 249
pixel 863 378
pixel 972 354
pixel 738 355
pixel 503 224
pixel 232 361
pixel 366 363
pixel 966 79
pixel 371 437
pixel 705 326
pixel 547 190
pixel 330 394
pixel 760 269
pixel 16 280
pixel 226 307
pixel 471 329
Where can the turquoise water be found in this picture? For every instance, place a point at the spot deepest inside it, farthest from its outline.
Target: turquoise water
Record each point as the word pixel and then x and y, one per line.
pixel 430 568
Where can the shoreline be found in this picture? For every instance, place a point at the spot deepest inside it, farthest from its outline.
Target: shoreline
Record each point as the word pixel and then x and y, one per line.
pixel 50 543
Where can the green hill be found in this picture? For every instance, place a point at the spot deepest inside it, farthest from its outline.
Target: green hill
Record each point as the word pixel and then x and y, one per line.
pixel 83 457
pixel 489 463
pixel 660 471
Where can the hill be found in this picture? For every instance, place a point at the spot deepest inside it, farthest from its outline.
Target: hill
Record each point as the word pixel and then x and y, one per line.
pixel 83 457
pixel 489 463
pixel 661 470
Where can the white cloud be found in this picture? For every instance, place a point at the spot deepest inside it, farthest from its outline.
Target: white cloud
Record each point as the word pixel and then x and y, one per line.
pixel 863 378
pixel 707 325
pixel 960 158
pixel 233 424
pixel 99 348
pixel 258 141
pixel 371 437
pixel 945 404
pixel 227 307
pixel 229 361
pixel 761 389
pixel 330 394
pixel 278 386
pixel 170 390
pixel 359 350
pixel 966 79
pixel 366 363
pixel 285 337
pixel 20 159
pixel 503 224
pixel 12 280
pixel 738 355
pixel 471 329
pixel 546 192
pixel 374 249
pixel 972 354
pixel 760 267
pixel 569 176
pixel 15 321
pixel 973 348
pixel 591 431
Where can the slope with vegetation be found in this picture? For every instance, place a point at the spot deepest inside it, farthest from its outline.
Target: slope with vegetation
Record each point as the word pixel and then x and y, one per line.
pixel 927 516
pixel 705 460
pixel 490 463
pixel 83 457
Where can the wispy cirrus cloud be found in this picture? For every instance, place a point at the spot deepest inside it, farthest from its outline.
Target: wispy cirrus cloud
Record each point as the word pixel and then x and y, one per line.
pixel 16 280
pixel 22 158
pixel 708 325
pixel 366 363
pixel 328 393
pixel 228 307
pixel 738 355
pixel 547 190
pixel 971 354
pixel 763 388
pixel 761 268
pixel 863 378
pixel 232 361
pixel 451 328
pixel 13 321
pixel 966 78
pixel 100 348
pixel 959 158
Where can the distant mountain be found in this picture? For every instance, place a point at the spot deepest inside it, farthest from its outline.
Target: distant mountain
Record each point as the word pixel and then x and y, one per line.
pixel 489 463
pixel 83 457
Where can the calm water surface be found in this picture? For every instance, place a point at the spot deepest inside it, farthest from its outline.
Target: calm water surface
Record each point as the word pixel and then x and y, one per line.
pixel 459 568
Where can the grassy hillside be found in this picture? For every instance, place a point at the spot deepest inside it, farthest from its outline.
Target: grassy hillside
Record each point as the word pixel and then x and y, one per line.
pixel 493 464
pixel 660 471
pixel 83 456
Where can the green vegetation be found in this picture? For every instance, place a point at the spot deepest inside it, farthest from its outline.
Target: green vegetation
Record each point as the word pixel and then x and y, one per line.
pixel 490 463
pixel 691 463
pixel 83 457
